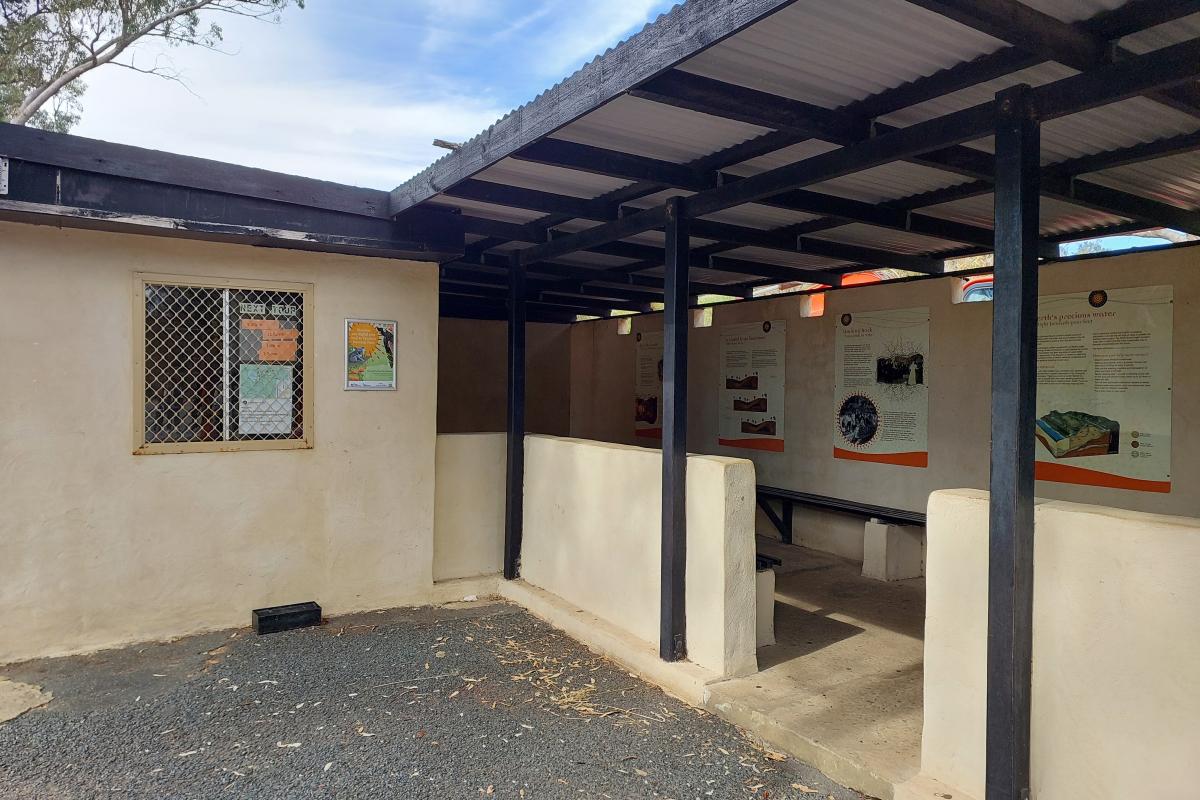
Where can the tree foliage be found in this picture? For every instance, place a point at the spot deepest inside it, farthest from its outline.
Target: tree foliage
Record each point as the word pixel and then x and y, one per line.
pixel 46 46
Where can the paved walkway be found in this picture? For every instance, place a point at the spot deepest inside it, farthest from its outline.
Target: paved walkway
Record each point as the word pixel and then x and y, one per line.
pixel 475 701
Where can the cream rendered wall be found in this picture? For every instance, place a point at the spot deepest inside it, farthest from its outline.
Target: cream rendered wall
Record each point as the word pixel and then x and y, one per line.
pixel 1116 691
pixel 468 519
pixel 473 376
pixel 592 536
pixel 102 548
pixel 959 370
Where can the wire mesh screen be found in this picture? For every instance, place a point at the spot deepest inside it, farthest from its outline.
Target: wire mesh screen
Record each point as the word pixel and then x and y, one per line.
pixel 223 365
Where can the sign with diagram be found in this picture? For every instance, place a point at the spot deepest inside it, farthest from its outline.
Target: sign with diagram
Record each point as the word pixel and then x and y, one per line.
pixel 648 385
pixel 370 354
pixel 264 399
pixel 881 392
pixel 1104 388
pixel 751 395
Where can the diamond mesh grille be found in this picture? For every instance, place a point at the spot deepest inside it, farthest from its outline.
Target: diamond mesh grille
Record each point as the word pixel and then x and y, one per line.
pixel 223 365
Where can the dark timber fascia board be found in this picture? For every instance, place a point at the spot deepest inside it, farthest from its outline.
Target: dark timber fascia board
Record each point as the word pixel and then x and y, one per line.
pixel 686 30
pixel 1108 84
pixel 125 161
pixel 111 202
pixel 60 216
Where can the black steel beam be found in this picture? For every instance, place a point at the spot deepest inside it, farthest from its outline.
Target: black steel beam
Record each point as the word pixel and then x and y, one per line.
pixel 587 274
pixel 515 471
pixel 672 639
pixel 1014 390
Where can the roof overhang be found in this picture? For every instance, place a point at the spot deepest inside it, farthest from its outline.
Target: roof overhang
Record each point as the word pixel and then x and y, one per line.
pixel 811 140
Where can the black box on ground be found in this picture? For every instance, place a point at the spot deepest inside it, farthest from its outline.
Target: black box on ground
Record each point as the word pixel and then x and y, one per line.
pixel 285 618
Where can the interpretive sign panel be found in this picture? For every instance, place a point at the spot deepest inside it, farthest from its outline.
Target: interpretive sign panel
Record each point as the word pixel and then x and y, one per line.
pixel 751 394
pixel 881 393
pixel 1104 388
pixel 647 385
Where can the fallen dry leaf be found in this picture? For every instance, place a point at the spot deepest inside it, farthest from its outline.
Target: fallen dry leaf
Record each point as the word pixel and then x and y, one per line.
pixel 800 787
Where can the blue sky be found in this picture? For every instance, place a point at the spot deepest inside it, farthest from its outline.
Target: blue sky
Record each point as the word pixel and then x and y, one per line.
pixel 355 91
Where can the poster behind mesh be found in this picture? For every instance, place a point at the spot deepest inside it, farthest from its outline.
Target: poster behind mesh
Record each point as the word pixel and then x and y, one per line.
pixel 881 393
pixel 751 390
pixel 1104 388
pixel 647 385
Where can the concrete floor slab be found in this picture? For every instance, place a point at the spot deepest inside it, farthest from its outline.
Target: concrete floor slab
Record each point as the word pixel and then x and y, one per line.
pixel 842 688
pixel 475 700
pixel 17 698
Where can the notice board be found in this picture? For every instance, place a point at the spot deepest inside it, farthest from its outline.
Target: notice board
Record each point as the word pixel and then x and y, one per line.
pixel 1104 388
pixel 752 389
pixel 881 387
pixel 647 385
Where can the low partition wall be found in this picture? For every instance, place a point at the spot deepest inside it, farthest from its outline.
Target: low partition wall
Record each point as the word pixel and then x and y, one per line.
pixel 1116 690
pixel 592 536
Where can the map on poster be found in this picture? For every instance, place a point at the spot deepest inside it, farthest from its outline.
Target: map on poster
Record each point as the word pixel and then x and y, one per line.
pixel 881 394
pixel 647 385
pixel 1104 388
pixel 264 399
pixel 751 395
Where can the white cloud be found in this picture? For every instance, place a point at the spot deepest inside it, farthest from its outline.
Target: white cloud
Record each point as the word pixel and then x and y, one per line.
pixel 312 96
pixel 279 104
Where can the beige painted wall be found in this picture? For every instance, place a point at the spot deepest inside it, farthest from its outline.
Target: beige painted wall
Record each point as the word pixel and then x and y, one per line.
pixel 1116 691
pixel 959 369
pixel 102 547
pixel 468 519
pixel 592 536
pixel 473 374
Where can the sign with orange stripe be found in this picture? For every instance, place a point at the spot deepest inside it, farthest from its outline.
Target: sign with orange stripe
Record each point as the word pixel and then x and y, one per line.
pixel 881 387
pixel 1104 388
pixel 751 392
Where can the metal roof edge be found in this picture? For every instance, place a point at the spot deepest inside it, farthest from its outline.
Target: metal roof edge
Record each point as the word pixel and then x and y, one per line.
pixel 678 34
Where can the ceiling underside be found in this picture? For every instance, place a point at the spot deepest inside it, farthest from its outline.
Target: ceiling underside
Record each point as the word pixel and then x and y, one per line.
pixel 805 80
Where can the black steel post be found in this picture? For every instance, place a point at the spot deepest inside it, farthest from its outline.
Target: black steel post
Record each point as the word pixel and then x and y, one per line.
pixel 672 645
pixel 1014 390
pixel 515 476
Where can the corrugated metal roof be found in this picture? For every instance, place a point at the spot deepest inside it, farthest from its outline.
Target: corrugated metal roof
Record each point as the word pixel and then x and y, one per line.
pixel 1174 180
pixel 1073 10
pixel 833 53
pixel 886 239
pixel 1055 216
pixel 645 128
pixel 487 210
pixel 1097 130
pixel 784 259
pixel 1163 35
pixel 547 178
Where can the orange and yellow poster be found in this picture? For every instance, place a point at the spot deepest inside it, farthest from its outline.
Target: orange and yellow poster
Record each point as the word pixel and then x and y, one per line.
pixel 370 354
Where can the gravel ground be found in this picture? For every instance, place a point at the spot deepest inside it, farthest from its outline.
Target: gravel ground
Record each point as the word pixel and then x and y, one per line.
pixel 480 700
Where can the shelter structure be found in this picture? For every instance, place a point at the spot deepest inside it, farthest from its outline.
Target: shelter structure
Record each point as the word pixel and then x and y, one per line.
pixel 732 145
